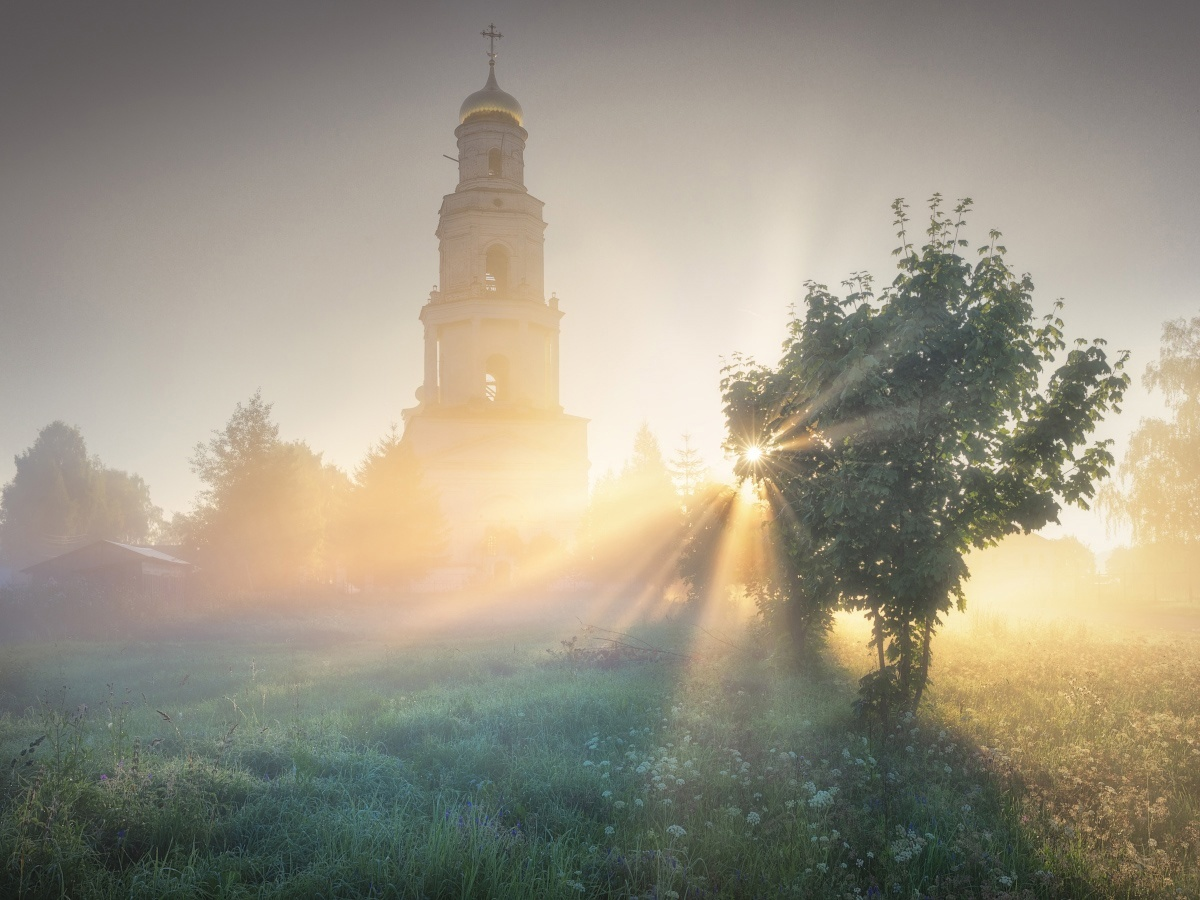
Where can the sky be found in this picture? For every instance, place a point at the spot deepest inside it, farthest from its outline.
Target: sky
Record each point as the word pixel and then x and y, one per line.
pixel 198 201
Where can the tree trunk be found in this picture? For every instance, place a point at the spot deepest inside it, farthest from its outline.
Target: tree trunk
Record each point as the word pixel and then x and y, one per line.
pixel 926 659
pixel 878 627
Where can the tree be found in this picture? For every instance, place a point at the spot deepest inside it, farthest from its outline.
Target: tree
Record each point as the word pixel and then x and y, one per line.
pixel 1158 491
pixel 689 473
pixel 646 474
pixel 60 497
pixel 123 508
pixel 899 432
pixel 261 519
pixel 706 508
pixel 633 521
pixel 392 529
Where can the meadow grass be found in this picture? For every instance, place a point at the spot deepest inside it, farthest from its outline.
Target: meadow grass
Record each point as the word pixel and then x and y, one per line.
pixel 1095 735
pixel 1045 765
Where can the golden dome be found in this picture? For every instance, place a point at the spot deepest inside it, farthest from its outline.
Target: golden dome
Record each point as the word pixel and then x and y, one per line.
pixel 491 101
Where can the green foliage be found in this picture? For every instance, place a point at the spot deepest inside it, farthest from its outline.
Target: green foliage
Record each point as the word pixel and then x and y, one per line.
pixel 707 523
pixel 1158 492
pixel 903 430
pixel 261 521
pixel 391 529
pixel 795 606
pixel 60 498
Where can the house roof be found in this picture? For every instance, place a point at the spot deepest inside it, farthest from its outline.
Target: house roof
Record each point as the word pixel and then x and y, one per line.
pixel 100 554
pixel 149 552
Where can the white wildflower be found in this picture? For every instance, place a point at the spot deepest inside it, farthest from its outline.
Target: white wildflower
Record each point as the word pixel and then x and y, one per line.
pixel 821 800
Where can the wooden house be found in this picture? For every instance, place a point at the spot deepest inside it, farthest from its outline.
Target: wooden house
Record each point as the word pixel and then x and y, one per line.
pixel 110 570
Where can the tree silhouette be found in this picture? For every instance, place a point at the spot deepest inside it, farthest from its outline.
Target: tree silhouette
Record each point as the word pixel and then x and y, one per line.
pixel 1158 491
pixel 60 498
pixel 261 521
pixel 392 529
pixel 898 432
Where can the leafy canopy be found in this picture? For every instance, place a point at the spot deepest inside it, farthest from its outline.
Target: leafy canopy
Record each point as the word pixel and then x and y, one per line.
pixel 1158 494
pixel 60 497
pixel 261 520
pixel 901 430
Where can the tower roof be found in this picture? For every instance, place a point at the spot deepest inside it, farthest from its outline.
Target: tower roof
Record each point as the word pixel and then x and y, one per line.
pixel 491 101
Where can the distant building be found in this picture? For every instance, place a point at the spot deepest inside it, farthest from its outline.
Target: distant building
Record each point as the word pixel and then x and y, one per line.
pixel 493 440
pixel 109 570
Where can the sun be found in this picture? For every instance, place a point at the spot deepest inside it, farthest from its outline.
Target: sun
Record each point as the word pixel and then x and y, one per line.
pixel 753 453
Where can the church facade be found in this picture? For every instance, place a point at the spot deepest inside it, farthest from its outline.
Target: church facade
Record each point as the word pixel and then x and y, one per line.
pixel 510 466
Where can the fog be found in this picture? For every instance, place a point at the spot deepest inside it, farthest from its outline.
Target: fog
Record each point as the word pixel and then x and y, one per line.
pixel 202 202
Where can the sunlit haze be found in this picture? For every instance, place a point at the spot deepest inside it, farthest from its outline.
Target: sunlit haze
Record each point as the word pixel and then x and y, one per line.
pixel 198 201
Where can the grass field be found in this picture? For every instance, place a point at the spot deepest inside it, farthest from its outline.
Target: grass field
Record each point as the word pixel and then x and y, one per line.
pixel 336 759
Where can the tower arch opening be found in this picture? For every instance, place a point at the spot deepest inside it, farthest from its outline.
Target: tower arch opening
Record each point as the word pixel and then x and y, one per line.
pixel 496 386
pixel 495 269
pixel 494 163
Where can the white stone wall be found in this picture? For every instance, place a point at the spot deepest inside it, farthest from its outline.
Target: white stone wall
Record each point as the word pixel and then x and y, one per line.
pixel 477 139
pixel 531 474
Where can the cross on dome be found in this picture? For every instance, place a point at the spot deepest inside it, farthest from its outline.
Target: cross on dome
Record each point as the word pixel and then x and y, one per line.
pixel 492 35
pixel 491 102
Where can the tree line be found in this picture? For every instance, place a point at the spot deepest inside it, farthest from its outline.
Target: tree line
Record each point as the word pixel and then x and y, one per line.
pixel 271 514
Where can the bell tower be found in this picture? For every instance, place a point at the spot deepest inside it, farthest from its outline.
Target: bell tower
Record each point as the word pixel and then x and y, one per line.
pixel 489 428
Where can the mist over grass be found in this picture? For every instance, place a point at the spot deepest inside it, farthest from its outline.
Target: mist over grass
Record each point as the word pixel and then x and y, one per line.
pixel 503 749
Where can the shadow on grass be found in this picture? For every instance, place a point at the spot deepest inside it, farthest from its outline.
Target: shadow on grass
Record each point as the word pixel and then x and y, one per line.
pixel 408 752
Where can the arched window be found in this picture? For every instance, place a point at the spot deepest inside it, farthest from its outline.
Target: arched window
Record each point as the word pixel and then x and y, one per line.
pixel 495 272
pixel 494 161
pixel 495 378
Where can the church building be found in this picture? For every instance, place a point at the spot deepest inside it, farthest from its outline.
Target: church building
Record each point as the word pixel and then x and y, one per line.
pixel 509 464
